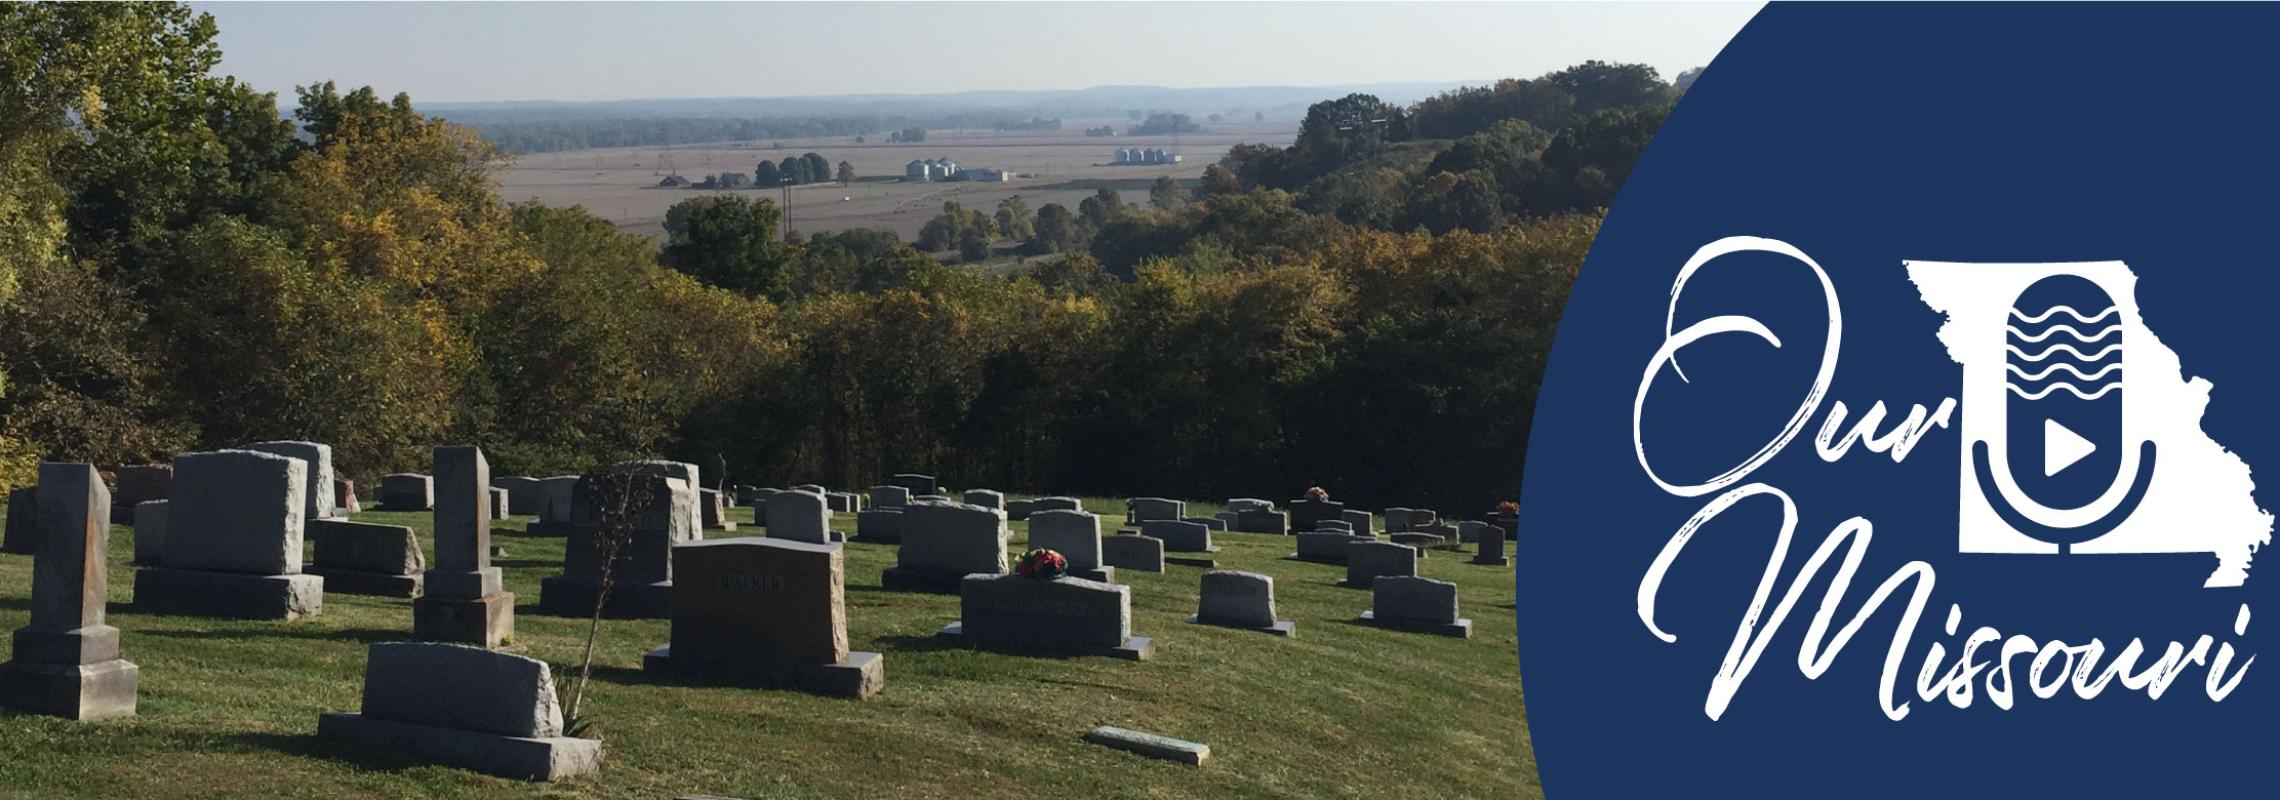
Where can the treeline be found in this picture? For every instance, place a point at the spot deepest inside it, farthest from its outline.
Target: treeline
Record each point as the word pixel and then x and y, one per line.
pixel 188 271
pixel 521 137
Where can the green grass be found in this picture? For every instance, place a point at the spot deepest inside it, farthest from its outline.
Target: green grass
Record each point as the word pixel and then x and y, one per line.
pixel 229 708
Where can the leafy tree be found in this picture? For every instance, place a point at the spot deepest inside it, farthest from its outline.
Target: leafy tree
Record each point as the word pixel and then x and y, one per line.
pixel 974 244
pixel 1218 179
pixel 1014 221
pixel 949 228
pixel 818 169
pixel 1056 228
pixel 1167 194
pixel 767 174
pixel 846 173
pixel 1456 200
pixel 729 241
pixel 1600 86
pixel 1100 209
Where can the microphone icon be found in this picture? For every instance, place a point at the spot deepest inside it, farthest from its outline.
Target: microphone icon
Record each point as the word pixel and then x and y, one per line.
pixel 2063 398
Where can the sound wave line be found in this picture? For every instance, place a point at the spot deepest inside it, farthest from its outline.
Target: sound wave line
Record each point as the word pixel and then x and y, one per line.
pixel 2070 330
pixel 2045 353
pixel 2070 388
pixel 2077 315
pixel 2078 373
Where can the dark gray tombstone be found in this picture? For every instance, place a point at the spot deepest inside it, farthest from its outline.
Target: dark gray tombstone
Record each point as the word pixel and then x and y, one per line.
pixel 66 662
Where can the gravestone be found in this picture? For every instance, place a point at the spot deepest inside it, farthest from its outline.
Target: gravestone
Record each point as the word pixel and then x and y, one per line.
pixel 233 540
pixel 1150 745
pixel 693 526
pixel 1236 599
pixel 1227 520
pixel 150 532
pixel 811 488
pixel 366 558
pixel 889 496
pixel 1076 536
pixel 1132 551
pixel 23 520
pixel 800 517
pixel 523 496
pixel 498 502
pixel 1019 509
pixel 643 568
pixel 916 483
pixel 1402 520
pixel 1056 503
pixel 1446 530
pixel 66 661
pixel 1325 547
pixel 743 493
pixel 317 498
pixel 140 484
pixel 1214 523
pixel 769 612
pixel 491 712
pixel 984 498
pixel 759 504
pixel 1491 544
pixel 943 542
pixel 1142 509
pixel 881 525
pixel 1178 536
pixel 1508 521
pixel 935 498
pixel 1367 561
pixel 845 502
pixel 1306 514
pixel 1417 604
pixel 464 601
pixel 1260 521
pixel 1062 615
pixel 344 497
pixel 1242 504
pixel 407 491
pixel 1338 525
pixel 1422 541
pixel 1361 522
pixel 713 511
pixel 557 499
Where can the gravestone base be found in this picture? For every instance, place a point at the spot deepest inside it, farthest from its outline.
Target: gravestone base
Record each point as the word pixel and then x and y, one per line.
pixel 100 690
pixel 227 594
pixel 914 580
pixel 484 622
pixel 1205 563
pixel 725 526
pixel 1282 627
pixel 1103 574
pixel 547 529
pixel 1461 628
pixel 863 674
pixel 342 581
pixel 1493 561
pixel 504 756
pixel 1135 648
pixel 563 597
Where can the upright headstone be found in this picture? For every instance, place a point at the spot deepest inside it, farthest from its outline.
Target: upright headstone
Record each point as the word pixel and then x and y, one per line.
pixel 1491 539
pixel 1242 504
pixel 1132 551
pixel 880 525
pixel 1305 514
pixel 845 502
pixel 344 497
pixel 1338 525
pixel 943 542
pixel 557 497
pixel 317 498
pixel 916 483
pixel 23 520
pixel 1418 604
pixel 464 601
pixel 759 504
pixel 1260 520
pixel 523 496
pixel 499 501
pixel 1403 520
pixel 1179 536
pixel 1142 509
pixel 1076 536
pixel 984 498
pixel 407 491
pixel 1056 503
pixel 713 508
pixel 1063 615
pixel 643 582
pixel 1367 561
pixel 811 488
pixel 1236 599
pixel 766 611
pixel 150 532
pixel 462 706
pixel 693 526
pixel 800 517
pixel 1019 509
pixel 889 496
pixel 1360 522
pixel 67 660
pixel 1214 523
pixel 367 558
pixel 233 540
pixel 140 484
pixel 1325 547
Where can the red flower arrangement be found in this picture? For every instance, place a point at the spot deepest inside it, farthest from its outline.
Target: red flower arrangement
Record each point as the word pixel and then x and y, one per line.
pixel 1508 507
pixel 1042 564
pixel 1317 493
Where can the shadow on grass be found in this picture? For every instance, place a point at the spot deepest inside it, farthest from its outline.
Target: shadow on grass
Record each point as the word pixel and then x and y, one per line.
pixel 906 643
pixel 309 746
pixel 523 563
pixel 364 635
pixel 630 676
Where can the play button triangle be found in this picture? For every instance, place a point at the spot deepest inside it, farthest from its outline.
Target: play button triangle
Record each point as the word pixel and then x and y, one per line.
pixel 2062 447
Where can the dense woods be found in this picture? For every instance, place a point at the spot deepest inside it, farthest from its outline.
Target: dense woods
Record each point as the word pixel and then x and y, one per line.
pixel 1367 310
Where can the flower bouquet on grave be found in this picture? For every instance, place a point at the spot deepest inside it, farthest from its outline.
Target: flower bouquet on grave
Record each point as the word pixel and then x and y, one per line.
pixel 1042 564
pixel 1507 507
pixel 1317 493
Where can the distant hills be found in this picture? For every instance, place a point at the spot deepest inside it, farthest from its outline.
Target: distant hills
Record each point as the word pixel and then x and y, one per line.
pixel 1099 102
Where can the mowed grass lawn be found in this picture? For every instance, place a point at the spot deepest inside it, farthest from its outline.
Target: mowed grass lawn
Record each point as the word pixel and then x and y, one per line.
pixel 229 708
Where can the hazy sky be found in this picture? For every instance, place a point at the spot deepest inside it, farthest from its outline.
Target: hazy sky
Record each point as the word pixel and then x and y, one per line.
pixel 443 52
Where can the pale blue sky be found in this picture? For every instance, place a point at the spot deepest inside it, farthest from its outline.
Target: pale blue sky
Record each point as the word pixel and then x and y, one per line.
pixel 446 52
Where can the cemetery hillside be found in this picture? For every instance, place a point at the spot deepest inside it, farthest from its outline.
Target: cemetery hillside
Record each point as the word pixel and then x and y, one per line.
pixel 386 481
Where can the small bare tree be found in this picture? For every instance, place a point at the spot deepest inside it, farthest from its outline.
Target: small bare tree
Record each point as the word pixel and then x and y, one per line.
pixel 616 498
